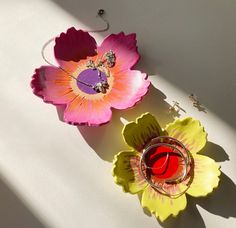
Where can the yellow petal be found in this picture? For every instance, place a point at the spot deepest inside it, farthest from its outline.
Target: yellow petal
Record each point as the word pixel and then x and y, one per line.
pixel 162 206
pixel 188 131
pixel 126 171
pixel 137 134
pixel 205 176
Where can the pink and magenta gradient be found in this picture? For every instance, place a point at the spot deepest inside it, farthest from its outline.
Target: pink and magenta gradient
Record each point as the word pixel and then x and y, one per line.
pixel 72 51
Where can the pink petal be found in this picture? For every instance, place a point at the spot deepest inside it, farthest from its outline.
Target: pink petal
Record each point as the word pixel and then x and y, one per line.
pixel 128 88
pixel 74 45
pixel 52 84
pixel 124 48
pixel 89 112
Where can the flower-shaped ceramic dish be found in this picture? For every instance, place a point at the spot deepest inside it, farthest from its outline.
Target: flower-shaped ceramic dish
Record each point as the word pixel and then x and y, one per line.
pixel 163 165
pixel 91 79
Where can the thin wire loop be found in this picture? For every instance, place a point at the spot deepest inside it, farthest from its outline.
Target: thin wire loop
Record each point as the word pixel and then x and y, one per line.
pixel 100 14
pixel 178 151
pixel 104 20
pixel 176 142
pixel 167 158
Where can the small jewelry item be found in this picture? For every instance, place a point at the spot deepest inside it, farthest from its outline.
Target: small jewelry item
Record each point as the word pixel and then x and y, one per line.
pixel 91 79
pixel 194 99
pixel 196 103
pixel 163 166
pixel 176 107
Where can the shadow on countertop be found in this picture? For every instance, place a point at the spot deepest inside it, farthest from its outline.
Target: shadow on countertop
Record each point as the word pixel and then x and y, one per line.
pixel 107 140
pixel 14 213
pixel 196 54
pixel 221 201
pixel 188 58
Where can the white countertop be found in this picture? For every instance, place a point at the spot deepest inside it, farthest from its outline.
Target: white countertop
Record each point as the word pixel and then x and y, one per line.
pixel 53 175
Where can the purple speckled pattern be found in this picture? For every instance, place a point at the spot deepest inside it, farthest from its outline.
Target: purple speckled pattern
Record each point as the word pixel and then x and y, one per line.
pixel 91 77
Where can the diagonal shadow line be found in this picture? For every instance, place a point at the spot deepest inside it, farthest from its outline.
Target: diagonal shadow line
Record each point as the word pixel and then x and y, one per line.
pixel 179 58
pixel 13 212
pixel 214 151
pixel 222 201
pixel 106 141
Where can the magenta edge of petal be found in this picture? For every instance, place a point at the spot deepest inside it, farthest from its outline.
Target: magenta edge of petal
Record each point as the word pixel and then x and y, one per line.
pixel 87 123
pixel 33 78
pixel 64 33
pixel 36 92
pixel 36 89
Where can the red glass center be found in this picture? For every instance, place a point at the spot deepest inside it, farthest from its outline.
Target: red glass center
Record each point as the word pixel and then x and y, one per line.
pixel 163 162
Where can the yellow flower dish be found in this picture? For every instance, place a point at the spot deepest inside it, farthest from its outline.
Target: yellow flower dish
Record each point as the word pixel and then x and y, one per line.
pixel 163 165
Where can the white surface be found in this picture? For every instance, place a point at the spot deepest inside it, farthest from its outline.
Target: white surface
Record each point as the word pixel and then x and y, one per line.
pixel 52 174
